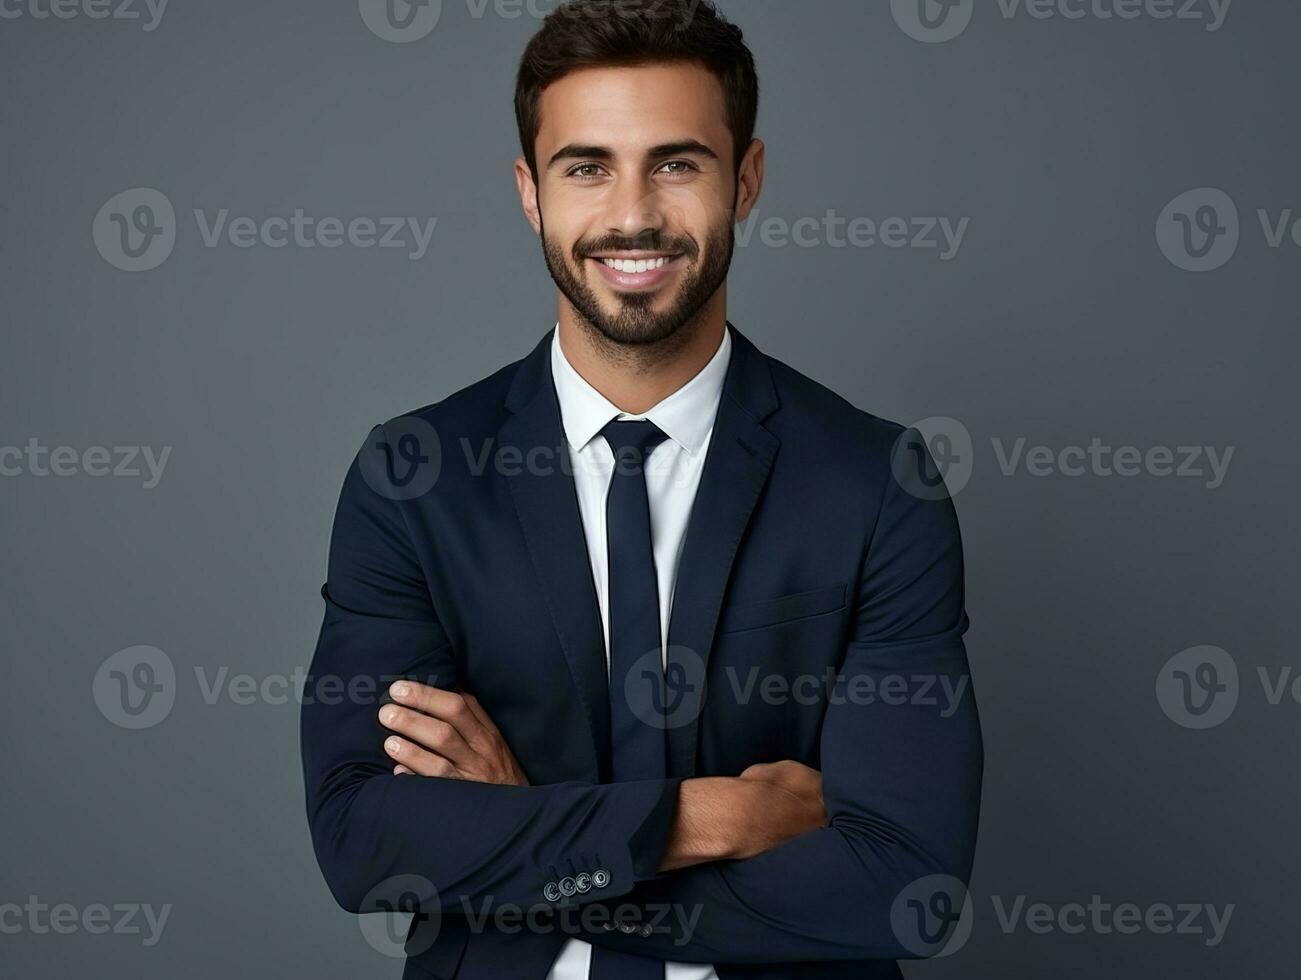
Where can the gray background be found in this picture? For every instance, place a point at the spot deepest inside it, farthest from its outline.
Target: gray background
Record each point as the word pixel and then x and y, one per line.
pixel 1058 320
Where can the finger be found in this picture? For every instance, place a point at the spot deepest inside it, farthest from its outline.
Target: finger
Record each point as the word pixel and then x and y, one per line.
pixel 473 703
pixel 487 740
pixel 448 706
pixel 420 761
pixel 431 734
pixel 402 771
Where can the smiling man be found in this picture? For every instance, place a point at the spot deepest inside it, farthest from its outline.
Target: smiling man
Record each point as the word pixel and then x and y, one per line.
pixel 606 748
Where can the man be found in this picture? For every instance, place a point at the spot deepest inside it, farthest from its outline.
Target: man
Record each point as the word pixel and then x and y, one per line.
pixel 672 617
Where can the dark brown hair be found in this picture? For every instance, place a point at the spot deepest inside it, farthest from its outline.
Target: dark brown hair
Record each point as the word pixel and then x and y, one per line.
pixel 615 33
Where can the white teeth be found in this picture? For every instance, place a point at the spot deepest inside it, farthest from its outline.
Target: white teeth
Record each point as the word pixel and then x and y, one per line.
pixel 640 265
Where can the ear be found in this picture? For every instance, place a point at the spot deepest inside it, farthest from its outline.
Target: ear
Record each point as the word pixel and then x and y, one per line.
pixel 749 180
pixel 528 193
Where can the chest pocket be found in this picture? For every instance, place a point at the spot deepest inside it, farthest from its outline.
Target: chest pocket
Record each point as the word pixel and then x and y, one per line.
pixel 738 616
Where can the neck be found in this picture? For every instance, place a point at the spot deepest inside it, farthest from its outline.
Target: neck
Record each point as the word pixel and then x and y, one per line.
pixel 636 377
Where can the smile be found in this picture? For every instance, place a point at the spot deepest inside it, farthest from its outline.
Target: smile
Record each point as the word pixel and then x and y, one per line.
pixel 637 272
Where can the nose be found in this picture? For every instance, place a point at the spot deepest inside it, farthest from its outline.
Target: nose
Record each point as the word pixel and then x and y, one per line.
pixel 635 208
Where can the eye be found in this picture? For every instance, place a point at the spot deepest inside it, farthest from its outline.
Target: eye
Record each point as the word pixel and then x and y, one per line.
pixel 686 165
pixel 577 172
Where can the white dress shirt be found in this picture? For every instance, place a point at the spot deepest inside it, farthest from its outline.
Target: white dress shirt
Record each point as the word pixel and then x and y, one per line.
pixel 672 472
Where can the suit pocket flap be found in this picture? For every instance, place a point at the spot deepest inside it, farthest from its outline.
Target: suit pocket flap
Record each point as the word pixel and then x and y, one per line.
pixel 783 609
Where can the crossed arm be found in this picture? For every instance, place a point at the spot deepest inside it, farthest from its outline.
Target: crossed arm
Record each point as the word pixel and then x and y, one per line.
pixel 767 877
pixel 448 735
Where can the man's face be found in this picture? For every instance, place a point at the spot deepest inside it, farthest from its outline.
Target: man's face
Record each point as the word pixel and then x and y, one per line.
pixel 635 194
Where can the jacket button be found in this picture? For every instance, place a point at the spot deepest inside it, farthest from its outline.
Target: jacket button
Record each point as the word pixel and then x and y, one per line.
pixel 644 930
pixel 583 882
pixel 567 886
pixel 551 893
pixel 600 878
pixel 608 926
pixel 627 928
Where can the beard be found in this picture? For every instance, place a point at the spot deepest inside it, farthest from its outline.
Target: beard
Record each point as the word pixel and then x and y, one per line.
pixel 637 323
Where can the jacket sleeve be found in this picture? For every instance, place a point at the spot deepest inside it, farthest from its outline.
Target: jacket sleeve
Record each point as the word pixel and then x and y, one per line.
pixel 437 842
pixel 901 760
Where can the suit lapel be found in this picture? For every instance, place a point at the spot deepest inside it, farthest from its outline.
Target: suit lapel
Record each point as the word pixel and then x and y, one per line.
pixel 547 505
pixel 740 457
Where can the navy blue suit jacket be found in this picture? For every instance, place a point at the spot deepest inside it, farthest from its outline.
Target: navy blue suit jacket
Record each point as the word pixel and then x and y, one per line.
pixel 805 559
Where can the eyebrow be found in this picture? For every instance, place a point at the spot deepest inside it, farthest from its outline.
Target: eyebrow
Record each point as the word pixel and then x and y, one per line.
pixel 677 148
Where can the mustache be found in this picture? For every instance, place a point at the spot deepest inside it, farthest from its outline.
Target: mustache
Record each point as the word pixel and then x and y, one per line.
pixel 641 244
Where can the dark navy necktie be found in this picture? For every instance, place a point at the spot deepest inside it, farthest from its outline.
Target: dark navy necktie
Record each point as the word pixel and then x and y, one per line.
pixel 637 731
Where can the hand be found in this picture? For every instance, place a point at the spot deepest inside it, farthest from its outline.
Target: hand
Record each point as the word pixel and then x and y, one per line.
pixel 792 806
pixel 447 734
pixel 730 817
pixel 794 777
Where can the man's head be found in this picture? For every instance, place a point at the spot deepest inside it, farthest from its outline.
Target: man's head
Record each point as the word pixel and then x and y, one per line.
pixel 636 119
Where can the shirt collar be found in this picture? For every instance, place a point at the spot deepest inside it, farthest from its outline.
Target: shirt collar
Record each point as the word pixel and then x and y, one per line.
pixel 686 416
